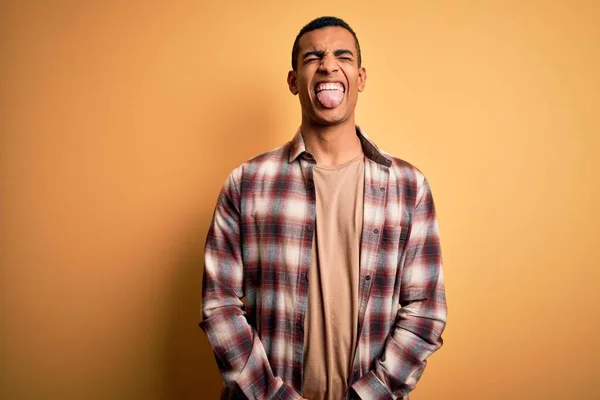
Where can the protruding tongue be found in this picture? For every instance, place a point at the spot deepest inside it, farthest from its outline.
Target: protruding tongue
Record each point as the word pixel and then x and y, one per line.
pixel 330 98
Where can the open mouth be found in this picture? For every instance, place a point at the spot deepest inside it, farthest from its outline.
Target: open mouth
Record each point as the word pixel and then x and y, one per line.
pixel 330 94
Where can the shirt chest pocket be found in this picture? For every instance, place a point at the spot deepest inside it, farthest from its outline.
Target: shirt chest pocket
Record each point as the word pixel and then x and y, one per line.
pixel 389 260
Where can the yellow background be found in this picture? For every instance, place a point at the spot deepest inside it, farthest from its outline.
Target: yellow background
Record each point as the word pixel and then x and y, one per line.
pixel 119 123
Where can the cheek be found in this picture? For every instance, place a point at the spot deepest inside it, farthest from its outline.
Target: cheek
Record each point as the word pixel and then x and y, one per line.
pixel 353 89
pixel 302 87
pixel 305 95
pixel 304 77
pixel 352 79
pixel 305 90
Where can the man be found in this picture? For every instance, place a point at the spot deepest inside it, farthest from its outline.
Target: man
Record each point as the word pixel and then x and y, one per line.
pixel 333 245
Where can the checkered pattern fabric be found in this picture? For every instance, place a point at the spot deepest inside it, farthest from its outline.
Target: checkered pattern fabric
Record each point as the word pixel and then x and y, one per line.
pixel 258 249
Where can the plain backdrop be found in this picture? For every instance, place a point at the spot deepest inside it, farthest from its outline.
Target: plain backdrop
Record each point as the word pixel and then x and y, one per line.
pixel 120 120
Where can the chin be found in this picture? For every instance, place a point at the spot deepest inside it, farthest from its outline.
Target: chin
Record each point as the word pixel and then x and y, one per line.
pixel 329 115
pixel 334 121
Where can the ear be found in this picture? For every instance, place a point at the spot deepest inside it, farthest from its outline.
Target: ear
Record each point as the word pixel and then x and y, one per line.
pixel 362 78
pixel 292 82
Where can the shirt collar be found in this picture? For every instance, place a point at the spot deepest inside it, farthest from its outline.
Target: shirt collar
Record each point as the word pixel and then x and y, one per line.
pixel 297 148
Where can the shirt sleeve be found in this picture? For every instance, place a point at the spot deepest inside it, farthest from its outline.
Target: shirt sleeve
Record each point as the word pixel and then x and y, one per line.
pixel 239 352
pixel 421 319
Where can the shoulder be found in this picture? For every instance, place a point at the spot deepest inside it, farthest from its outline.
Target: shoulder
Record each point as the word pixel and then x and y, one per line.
pixel 410 182
pixel 404 171
pixel 401 171
pixel 267 163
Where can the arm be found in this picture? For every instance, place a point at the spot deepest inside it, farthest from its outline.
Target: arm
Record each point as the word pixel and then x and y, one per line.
pixel 240 354
pixel 420 321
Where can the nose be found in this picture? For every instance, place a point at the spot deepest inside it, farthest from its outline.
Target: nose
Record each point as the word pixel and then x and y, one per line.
pixel 328 63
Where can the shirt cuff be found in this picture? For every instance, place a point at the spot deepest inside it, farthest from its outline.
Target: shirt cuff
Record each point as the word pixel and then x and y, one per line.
pixel 371 388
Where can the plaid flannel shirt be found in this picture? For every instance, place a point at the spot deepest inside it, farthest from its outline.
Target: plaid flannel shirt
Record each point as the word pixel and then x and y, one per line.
pixel 259 247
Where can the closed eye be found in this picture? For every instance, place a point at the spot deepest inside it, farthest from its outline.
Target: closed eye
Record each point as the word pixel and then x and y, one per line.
pixel 312 56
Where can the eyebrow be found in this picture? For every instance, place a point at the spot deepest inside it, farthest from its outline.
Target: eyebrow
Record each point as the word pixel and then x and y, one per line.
pixel 320 53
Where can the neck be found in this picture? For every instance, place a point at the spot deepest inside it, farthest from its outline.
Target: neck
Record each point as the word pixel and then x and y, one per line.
pixel 331 145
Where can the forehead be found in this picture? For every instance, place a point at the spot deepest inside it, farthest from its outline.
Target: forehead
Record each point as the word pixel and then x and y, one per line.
pixel 332 37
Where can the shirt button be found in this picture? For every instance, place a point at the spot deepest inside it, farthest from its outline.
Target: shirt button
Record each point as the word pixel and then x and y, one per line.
pixel 309 228
pixel 299 324
pixel 382 189
pixel 368 278
pixel 376 231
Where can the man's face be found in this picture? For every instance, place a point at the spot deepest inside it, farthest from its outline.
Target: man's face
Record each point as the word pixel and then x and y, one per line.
pixel 328 77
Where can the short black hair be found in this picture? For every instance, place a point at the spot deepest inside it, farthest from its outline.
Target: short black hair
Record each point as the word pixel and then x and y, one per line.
pixel 320 23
